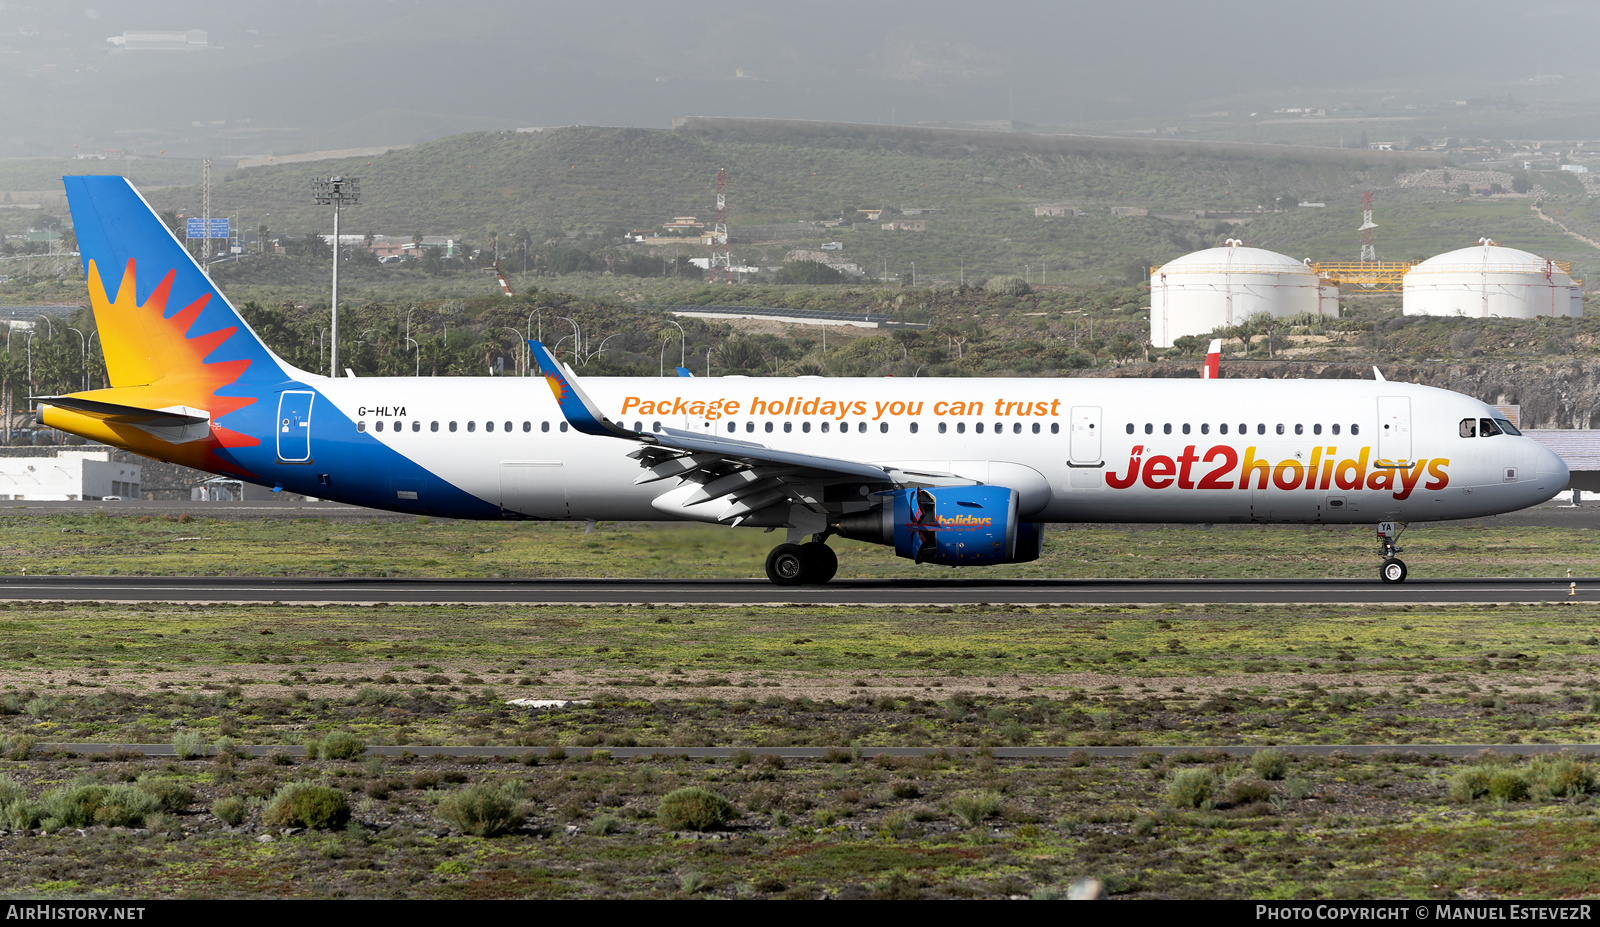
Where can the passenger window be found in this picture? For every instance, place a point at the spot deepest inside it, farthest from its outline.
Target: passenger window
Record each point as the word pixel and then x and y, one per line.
pixel 473 426
pixel 1130 428
pixel 1149 429
pixel 637 426
pixel 378 425
pixel 769 428
pixel 399 426
pixel 1336 429
pixel 1469 428
pixel 788 427
pixel 1486 429
pixel 563 426
pixel 361 426
pixel 961 428
pixel 824 427
pixel 1316 429
pixel 1260 428
pixel 1223 428
pixel 416 425
pixel 1016 428
pixel 732 427
pixel 544 426
pixel 1299 429
pixel 528 426
pixel 1166 429
pixel 978 428
pixel 508 427
pixel 654 426
pixel 1035 427
pixel 749 427
pixel 1280 428
pixel 942 427
pixel 1205 428
pixel 1055 428
pixel 487 426
pixel 861 427
pixel 913 427
pixel 1185 427
pixel 433 426
pixel 452 426
pixel 805 427
pixel 1355 429
pixel 1243 428
pixel 883 427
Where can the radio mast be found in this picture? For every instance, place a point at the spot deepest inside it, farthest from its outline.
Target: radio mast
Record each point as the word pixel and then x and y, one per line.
pixel 719 232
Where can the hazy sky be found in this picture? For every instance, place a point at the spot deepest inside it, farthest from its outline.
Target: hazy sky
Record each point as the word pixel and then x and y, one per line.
pixel 326 73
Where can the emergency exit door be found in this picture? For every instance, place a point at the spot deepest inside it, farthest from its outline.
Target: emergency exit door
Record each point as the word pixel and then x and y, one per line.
pixel 1086 436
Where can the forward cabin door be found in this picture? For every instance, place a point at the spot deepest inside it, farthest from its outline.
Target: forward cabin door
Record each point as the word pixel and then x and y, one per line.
pixel 294 426
pixel 1394 429
pixel 1086 436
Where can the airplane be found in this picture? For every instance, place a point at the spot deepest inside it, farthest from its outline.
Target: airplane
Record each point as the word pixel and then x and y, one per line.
pixel 956 472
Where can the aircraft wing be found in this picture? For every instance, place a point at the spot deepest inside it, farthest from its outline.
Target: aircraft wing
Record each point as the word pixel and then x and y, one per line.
pixel 752 475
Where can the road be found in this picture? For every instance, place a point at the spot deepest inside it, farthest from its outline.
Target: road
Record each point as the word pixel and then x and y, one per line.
pixel 199 589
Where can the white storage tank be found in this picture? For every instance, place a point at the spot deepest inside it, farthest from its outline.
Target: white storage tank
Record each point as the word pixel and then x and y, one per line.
pixel 1489 280
pixel 1203 291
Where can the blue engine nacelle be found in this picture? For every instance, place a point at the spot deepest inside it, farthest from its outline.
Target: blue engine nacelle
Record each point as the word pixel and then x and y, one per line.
pixel 963 526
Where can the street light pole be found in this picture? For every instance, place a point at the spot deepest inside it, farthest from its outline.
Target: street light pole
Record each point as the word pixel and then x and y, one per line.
pixel 83 356
pixel 336 191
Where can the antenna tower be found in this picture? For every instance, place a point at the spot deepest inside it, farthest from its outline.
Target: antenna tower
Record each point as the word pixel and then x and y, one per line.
pixel 719 232
pixel 205 216
pixel 1369 241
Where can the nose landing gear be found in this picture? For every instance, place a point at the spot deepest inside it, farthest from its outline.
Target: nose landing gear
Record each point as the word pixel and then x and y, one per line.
pixel 809 564
pixel 1393 569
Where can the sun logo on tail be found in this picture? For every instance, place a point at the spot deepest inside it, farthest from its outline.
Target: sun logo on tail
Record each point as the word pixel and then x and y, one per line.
pixel 558 387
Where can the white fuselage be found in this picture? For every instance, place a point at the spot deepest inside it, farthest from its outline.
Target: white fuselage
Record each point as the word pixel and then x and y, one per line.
pixel 1076 450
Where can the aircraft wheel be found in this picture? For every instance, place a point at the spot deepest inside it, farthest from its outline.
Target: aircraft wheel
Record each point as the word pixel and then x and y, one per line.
pixel 787 565
pixel 1393 570
pixel 821 562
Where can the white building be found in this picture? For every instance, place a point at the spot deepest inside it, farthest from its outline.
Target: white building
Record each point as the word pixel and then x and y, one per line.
pixel 69 475
pixel 1206 290
pixel 1488 280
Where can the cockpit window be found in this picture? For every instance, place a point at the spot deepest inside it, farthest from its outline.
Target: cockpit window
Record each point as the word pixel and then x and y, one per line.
pixel 1469 428
pixel 1486 428
pixel 1507 427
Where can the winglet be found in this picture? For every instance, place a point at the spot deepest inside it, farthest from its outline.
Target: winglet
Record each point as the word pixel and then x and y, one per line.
pixel 1377 374
pixel 1213 367
pixel 580 411
pixel 685 372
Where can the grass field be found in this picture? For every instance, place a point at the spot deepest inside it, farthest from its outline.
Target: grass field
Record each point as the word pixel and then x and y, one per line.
pixel 107 544
pixel 1200 823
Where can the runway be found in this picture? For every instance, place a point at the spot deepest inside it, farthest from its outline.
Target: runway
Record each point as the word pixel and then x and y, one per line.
pixel 209 589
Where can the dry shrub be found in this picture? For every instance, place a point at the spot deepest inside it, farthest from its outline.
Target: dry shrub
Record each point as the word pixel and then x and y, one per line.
pixel 695 808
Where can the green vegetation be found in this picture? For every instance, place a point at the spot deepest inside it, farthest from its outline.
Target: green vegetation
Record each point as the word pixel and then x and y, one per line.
pixel 483 810
pixel 695 808
pixel 305 804
pixel 96 545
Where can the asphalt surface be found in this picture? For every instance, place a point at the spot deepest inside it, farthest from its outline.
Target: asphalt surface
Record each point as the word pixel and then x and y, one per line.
pixel 208 589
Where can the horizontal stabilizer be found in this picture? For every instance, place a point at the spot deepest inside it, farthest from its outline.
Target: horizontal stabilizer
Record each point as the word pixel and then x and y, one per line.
pixel 112 412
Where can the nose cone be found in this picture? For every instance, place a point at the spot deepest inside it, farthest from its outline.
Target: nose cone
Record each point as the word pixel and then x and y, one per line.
pixel 1552 470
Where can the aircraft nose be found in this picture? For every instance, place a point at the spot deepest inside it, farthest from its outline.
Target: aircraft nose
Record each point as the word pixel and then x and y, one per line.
pixel 1552 470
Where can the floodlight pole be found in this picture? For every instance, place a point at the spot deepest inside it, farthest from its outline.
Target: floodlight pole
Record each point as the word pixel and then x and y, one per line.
pixel 336 191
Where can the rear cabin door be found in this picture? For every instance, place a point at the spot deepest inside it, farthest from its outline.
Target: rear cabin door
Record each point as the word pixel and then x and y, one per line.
pixel 294 426
pixel 1394 428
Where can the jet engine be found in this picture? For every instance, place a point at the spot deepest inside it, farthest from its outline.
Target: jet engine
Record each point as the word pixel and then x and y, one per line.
pixel 954 525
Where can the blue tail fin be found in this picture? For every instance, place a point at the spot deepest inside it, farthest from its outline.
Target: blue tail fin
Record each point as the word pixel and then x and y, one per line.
pixel 160 317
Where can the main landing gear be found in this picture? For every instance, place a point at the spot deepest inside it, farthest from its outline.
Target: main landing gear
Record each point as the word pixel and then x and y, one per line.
pixel 809 564
pixel 1393 569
